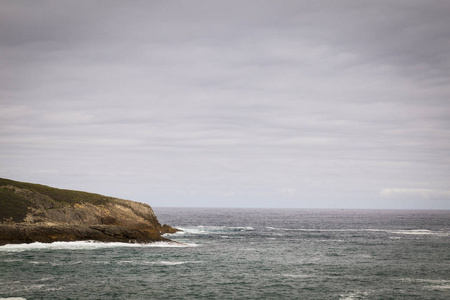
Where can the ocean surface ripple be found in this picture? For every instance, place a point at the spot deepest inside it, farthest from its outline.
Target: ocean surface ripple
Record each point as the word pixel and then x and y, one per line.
pixel 247 254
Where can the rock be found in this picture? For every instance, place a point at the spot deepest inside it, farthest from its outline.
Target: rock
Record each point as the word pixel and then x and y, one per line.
pixel 168 229
pixel 28 233
pixel 36 213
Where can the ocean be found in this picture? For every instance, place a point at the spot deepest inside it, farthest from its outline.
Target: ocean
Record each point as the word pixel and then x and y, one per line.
pixel 227 253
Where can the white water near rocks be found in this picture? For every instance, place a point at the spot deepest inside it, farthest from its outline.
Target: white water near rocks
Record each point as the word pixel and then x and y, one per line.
pixel 247 254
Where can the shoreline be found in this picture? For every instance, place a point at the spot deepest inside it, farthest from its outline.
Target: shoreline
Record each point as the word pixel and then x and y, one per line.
pixel 44 233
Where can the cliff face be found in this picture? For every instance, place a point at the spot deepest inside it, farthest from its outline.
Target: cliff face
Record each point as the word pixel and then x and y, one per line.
pixel 31 212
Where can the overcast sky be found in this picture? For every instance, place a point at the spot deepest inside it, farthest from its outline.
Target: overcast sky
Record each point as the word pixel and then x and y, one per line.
pixel 327 104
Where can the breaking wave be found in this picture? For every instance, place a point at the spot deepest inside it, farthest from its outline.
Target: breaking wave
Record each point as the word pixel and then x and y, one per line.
pixel 391 231
pixel 158 263
pixel 211 230
pixel 87 245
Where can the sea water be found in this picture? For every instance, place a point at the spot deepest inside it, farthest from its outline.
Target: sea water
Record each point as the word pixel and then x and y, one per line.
pixel 247 254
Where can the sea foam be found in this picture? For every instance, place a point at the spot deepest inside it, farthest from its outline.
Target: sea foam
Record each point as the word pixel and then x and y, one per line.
pixel 392 231
pixel 157 263
pixel 86 245
pixel 211 229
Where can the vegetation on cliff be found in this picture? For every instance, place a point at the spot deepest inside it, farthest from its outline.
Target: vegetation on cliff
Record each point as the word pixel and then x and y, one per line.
pixel 33 212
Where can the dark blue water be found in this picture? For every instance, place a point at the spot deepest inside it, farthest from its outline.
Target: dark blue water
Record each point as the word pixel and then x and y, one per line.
pixel 248 254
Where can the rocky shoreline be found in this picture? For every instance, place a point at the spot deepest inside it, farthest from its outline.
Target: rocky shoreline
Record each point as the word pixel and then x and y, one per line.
pixel 29 233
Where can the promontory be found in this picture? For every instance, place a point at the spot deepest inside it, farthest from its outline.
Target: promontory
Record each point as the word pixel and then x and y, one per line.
pixel 38 213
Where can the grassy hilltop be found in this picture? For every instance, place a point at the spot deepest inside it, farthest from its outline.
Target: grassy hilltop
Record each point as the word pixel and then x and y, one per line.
pixel 15 206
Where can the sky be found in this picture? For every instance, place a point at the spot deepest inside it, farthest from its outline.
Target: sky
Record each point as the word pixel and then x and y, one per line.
pixel 302 104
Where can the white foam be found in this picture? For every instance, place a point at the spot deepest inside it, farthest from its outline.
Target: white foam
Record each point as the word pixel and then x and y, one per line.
pixel 411 231
pixel 85 245
pixel 296 275
pixel 291 229
pixel 440 287
pixel 347 297
pixel 11 260
pixel 169 245
pixel 160 263
pixel 197 230
pixel 325 230
pixel 392 231
pixel 248 228
pixel 13 298
pixel 174 263
pixel 352 296
pixel 431 281
pixel 210 229
pixel 416 231
pixel 330 240
pixel 434 284
pixel 171 263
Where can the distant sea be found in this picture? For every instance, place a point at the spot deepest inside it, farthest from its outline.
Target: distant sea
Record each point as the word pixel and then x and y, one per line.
pixel 247 254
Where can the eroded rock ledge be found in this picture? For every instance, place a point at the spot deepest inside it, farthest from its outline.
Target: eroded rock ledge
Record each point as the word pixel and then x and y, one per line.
pixel 29 233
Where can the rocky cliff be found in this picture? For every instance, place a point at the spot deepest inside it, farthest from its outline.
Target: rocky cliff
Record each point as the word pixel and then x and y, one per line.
pixel 33 212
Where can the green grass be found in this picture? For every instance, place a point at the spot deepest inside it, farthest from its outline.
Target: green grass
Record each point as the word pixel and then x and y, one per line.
pixel 12 206
pixel 59 195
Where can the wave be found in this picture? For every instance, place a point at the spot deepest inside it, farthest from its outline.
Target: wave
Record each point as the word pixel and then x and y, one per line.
pixel 158 263
pixel 434 284
pixel 440 287
pixel 352 296
pixel 211 229
pixel 416 231
pixel 391 231
pixel 311 229
pixel 87 245
pixel 297 275
pixel 431 281
pixel 411 232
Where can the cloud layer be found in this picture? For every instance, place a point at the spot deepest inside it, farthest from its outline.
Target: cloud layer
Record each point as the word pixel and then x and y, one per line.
pixel 293 104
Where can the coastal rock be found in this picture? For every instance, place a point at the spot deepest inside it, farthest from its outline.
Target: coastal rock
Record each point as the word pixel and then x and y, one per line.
pixel 28 233
pixel 37 213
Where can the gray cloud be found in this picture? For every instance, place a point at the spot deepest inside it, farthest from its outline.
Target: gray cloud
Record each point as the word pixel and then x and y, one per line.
pixel 293 104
